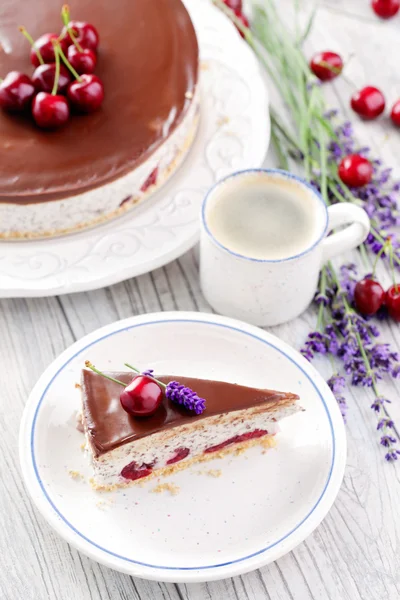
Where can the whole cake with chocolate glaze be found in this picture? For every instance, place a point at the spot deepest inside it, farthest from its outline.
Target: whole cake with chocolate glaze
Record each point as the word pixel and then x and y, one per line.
pixel 99 165
pixel 124 448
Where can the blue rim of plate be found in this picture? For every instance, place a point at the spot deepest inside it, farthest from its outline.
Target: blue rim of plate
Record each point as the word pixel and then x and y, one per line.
pixel 169 568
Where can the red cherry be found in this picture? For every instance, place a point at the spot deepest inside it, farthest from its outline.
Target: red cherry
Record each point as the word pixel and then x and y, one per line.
pixel 45 46
pixel 180 454
pixel 50 111
pixel 369 296
pixel 87 94
pixel 355 170
pixel 243 20
pixel 235 5
pixel 85 34
pixel 369 102
pixel 386 8
pixel 133 471
pixel 392 300
pixel 83 62
pixel 16 92
pixel 43 78
pixel 395 114
pixel 326 65
pixel 141 397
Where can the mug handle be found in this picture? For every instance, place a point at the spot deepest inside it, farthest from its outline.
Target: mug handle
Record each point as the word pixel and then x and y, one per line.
pixel 358 226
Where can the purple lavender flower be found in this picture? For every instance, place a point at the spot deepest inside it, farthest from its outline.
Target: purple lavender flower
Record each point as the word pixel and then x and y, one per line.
pixel 337 383
pixel 148 373
pixel 385 423
pixel 178 393
pixel 387 440
pixel 379 403
pixel 392 455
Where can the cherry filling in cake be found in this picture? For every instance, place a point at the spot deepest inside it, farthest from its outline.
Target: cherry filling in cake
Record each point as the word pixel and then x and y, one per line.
pixel 124 448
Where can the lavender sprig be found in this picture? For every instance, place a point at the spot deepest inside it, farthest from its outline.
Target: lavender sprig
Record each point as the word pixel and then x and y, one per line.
pixel 184 396
pixel 351 339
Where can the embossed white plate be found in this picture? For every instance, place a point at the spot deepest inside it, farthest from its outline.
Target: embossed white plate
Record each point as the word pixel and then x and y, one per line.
pixel 259 508
pixel 234 134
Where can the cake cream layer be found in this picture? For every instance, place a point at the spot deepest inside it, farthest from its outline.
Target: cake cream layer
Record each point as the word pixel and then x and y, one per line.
pixel 110 426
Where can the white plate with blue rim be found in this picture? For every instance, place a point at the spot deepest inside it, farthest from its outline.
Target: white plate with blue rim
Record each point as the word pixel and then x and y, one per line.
pixel 263 504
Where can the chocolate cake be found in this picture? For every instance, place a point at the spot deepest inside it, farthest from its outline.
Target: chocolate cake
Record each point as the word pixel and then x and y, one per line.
pixel 99 165
pixel 124 449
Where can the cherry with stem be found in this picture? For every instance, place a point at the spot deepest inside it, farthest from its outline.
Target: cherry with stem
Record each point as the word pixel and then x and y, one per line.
pixel 51 110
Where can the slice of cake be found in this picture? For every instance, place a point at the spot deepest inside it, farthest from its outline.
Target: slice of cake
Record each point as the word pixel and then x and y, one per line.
pixel 124 448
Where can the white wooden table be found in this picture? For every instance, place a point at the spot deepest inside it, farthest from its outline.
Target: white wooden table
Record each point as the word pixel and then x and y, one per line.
pixel 355 553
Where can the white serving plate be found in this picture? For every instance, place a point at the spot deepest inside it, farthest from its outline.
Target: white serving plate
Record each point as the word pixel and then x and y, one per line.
pixel 261 506
pixel 234 134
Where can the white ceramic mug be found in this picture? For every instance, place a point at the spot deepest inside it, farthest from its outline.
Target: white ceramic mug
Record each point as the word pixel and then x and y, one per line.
pixel 270 292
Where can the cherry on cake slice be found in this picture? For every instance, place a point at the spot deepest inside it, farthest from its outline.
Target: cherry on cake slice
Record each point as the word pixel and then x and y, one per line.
pixel 125 447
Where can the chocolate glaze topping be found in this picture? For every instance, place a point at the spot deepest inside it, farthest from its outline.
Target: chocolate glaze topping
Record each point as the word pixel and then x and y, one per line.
pixel 148 61
pixel 109 426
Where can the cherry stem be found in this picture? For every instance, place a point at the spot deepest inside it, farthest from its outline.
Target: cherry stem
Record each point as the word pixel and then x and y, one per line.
pixel 130 367
pixel 65 14
pixel 32 43
pixel 137 371
pixel 66 19
pixel 73 38
pixel 67 63
pixel 89 365
pixel 57 73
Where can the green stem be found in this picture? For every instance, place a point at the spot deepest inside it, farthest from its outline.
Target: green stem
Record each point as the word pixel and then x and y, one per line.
pixel 283 162
pixel 278 123
pixel 364 255
pixel 137 371
pixel 323 160
pixel 57 73
pixel 73 38
pixel 380 239
pixel 130 367
pixel 89 365
pixel 32 43
pixel 65 16
pixel 390 246
pixel 68 64
pixel 381 251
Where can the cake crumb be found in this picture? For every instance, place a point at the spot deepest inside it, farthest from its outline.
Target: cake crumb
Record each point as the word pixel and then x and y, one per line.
pixel 189 95
pixel 166 487
pixel 78 386
pixel 240 451
pixel 83 446
pixel 222 121
pixel 204 66
pixel 210 472
pixel 75 474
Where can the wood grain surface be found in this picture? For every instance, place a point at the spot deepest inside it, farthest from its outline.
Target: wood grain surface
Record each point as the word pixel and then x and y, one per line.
pixel 355 553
